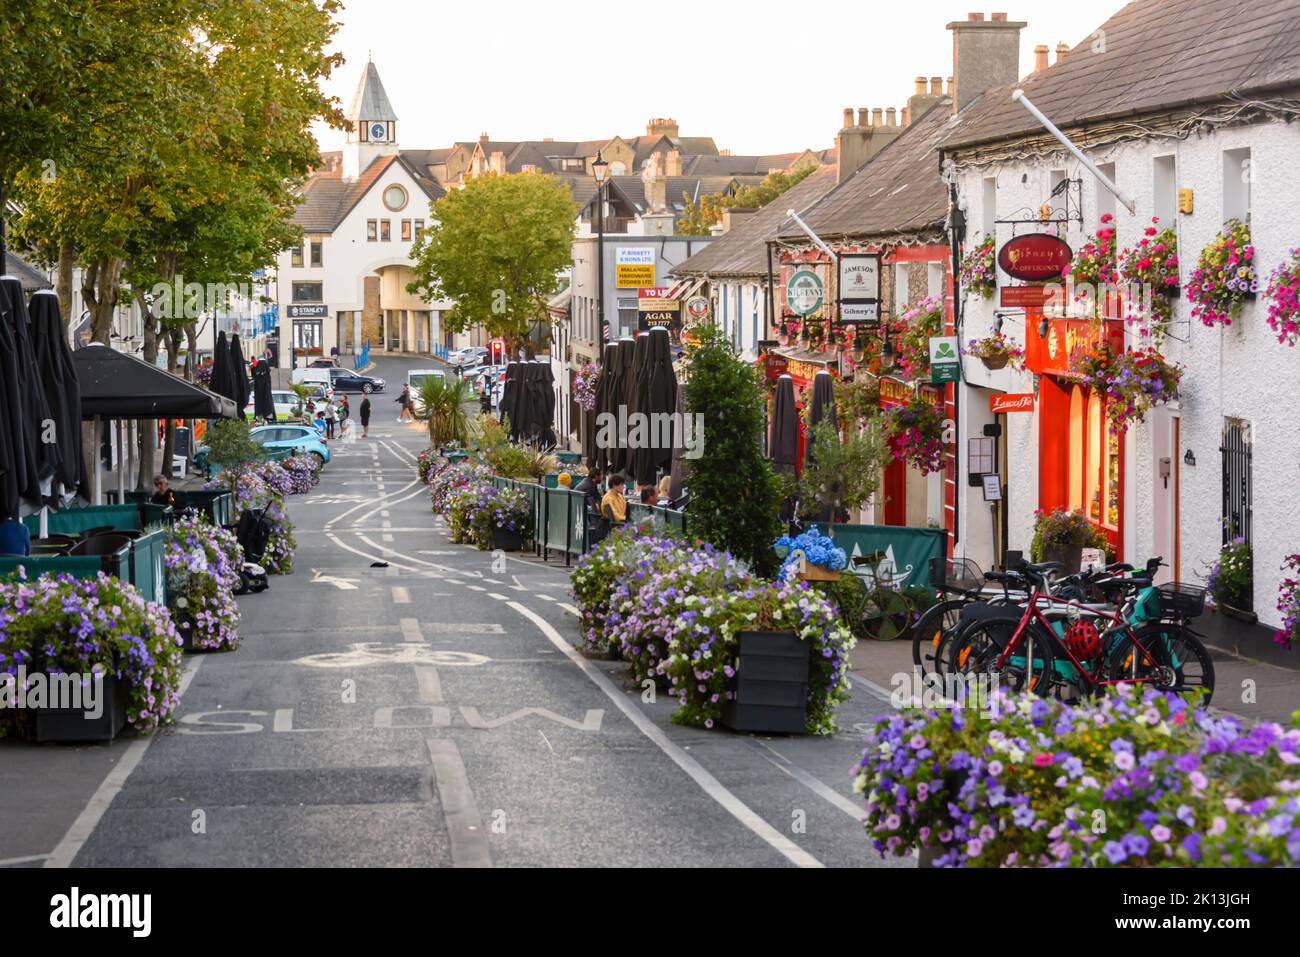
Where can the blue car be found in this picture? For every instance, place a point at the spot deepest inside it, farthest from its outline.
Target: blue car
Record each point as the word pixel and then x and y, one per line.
pixel 292 438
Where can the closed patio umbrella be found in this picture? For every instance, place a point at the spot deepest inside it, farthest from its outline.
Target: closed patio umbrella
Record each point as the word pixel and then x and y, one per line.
pixel 263 400
pixel 657 398
pixel 595 454
pixel 240 369
pixel 618 459
pixel 32 410
pixel 822 406
pixel 62 390
pixel 547 380
pixel 783 432
pixel 509 394
pixel 223 379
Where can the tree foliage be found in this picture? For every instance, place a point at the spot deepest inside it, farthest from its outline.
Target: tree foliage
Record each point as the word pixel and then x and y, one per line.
pixel 496 248
pixel 735 495
pixel 843 473
pixel 699 219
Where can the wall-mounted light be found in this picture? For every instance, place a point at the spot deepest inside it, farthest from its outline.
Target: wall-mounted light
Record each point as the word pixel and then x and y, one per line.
pixel 997 325
pixel 1189 458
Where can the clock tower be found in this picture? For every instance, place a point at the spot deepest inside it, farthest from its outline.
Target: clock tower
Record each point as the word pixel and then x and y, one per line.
pixel 374 125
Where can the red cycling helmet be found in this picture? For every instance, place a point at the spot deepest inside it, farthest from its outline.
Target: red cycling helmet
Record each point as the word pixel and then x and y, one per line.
pixel 1084 640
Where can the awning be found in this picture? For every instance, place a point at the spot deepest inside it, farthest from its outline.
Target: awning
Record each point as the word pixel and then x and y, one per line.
pixel 117 386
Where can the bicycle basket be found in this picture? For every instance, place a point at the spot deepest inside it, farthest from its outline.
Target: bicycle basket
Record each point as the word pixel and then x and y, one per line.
pixel 956 574
pixel 1180 600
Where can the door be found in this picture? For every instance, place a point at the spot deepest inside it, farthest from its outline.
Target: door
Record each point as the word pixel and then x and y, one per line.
pixel 895 488
pixel 1164 493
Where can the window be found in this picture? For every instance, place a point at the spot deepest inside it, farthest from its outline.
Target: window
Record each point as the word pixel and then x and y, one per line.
pixel 1093 482
pixel 306 334
pixel 295 256
pixel 934 279
pixel 308 292
pixel 318 253
pixel 395 198
pixel 1237 176
pixel 1105 198
pixel 419 228
pixel 1057 200
pixel 1164 187
pixel 990 204
pixel 406 230
pixel 372 230
pixel 385 230
pixel 901 298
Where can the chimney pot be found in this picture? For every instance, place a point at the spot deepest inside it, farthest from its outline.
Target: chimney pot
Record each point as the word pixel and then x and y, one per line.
pixel 877 117
pixel 920 86
pixel 891 117
pixel 848 117
pixel 1040 57
pixel 975 17
pixel 864 116
pixel 950 86
pixel 907 116
pixel 999 18
pixel 1062 49
pixel 936 86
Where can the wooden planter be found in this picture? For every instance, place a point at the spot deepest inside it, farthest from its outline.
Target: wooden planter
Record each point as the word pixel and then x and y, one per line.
pixel 771 684
pixel 73 724
pixel 816 573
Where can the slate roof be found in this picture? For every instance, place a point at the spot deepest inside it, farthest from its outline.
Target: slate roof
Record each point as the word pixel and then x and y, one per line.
pixel 30 277
pixel 1159 55
pixel 898 191
pixel 370 102
pixel 743 251
pixel 328 198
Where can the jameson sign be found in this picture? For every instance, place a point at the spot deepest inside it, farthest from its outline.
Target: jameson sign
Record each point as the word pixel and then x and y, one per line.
pixel 859 276
pixel 804 293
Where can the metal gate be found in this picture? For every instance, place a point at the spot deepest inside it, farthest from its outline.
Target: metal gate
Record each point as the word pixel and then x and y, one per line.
pixel 1236 451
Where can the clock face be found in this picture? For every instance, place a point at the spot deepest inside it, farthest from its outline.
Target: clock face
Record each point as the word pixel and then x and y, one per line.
pixel 378 131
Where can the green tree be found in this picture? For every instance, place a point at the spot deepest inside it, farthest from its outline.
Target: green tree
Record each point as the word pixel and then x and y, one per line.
pixel 844 473
pixel 699 218
pixel 496 248
pixel 735 495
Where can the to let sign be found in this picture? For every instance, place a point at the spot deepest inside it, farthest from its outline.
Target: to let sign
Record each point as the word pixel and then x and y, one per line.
pixel 1011 402
pixel 1034 257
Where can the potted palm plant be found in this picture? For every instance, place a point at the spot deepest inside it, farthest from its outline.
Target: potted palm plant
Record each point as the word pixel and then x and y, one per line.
pixel 447 406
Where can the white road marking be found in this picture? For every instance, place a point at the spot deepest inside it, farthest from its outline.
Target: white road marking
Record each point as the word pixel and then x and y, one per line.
pixel 497 596
pixel 570 609
pixel 386 537
pixel 88 819
pixel 430 684
pixel 546 597
pixel 476 587
pixel 411 629
pixel 30 859
pixel 343 515
pixel 469 843
pixel 590 721
pixel 342 584
pixel 401 596
pixel 706 781
pixel 817 786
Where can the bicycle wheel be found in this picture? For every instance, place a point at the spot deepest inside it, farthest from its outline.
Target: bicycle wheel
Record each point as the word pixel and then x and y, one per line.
pixel 977 650
pixel 887 615
pixel 930 633
pixel 1169 657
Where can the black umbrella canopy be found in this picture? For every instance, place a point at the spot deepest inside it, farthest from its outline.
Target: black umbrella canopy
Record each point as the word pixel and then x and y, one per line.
pixel 222 382
pixel 117 386
pixel 39 457
pixel 656 398
pixel 822 406
pixel 783 433
pixel 14 456
pixel 240 370
pixel 547 379
pixel 62 391
pixel 263 400
pixel 624 356
pixel 597 457
pixel 510 393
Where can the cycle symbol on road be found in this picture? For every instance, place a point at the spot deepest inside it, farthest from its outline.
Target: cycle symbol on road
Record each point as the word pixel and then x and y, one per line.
pixel 405 653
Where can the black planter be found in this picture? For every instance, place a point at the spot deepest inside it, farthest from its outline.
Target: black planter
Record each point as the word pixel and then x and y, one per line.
pixel 72 724
pixel 184 623
pixel 1070 557
pixel 771 684
pixel 507 540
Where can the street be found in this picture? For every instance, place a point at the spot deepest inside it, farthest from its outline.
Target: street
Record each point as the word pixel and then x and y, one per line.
pixel 429 713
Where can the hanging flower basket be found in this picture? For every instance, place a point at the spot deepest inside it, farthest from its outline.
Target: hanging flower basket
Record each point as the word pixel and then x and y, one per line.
pixel 918 325
pixel 997 352
pixel 1283 297
pixel 1131 382
pixel 1224 277
pixel 1094 264
pixel 1288 603
pixel 914 433
pixel 1152 263
pixel 978 273
pixel 584 386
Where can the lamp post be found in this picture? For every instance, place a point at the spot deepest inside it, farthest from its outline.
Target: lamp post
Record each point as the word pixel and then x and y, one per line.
pixel 600 170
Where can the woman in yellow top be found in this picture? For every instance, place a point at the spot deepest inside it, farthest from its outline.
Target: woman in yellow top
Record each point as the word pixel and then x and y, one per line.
pixel 614 503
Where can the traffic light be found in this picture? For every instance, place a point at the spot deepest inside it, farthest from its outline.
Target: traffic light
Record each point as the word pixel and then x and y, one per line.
pixel 497 350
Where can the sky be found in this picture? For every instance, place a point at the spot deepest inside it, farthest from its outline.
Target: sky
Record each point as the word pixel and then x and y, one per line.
pixel 758 76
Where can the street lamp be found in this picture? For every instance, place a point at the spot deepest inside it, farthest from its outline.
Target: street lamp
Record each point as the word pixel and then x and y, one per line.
pixel 600 170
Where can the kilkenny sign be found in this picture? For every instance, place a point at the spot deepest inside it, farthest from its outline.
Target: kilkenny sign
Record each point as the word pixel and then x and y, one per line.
pixel 804 292
pixel 1034 257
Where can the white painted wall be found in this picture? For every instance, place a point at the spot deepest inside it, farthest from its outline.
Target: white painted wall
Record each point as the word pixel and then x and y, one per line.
pixel 1239 371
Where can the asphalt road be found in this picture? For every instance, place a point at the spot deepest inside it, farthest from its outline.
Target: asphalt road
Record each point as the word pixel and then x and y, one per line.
pixel 435 713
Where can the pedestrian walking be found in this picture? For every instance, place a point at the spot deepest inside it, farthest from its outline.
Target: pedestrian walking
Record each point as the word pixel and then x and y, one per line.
pixel 343 409
pixel 364 413
pixel 404 403
pixel 329 419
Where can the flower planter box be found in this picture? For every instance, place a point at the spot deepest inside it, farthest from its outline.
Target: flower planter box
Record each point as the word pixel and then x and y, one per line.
pixel 73 725
pixel 507 540
pixel 771 684
pixel 995 362
pixel 1249 617
pixel 817 573
pixel 1070 557
pixel 184 622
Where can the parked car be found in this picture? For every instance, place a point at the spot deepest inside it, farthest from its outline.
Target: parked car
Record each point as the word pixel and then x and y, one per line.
pixel 285 402
pixel 324 362
pixel 297 438
pixel 416 377
pixel 469 356
pixel 340 380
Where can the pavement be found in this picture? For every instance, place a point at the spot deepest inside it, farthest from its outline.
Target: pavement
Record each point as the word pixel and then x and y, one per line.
pixel 402 701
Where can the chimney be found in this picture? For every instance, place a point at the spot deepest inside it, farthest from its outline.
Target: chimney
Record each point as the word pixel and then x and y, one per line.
pixel 848 118
pixel 482 137
pixel 924 98
pixel 864 116
pixel 949 91
pixel 733 217
pixel 906 116
pixel 877 116
pixel 920 87
pixel 985 54
pixel 936 86
pixel 1062 49
pixel 548 139
pixel 1040 58
pixel 673 163
pixel 857 144
pixel 891 117
pixel 661 126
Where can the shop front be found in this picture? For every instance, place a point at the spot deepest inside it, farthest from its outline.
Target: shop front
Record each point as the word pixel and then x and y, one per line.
pixel 910 497
pixel 1081 460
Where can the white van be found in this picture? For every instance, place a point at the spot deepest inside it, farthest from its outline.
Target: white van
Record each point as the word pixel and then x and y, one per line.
pixel 416 377
pixel 318 376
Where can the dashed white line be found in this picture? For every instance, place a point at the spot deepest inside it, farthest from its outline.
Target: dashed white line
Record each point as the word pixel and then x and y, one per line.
pixel 493 594
pixel 401 596
pixel 546 597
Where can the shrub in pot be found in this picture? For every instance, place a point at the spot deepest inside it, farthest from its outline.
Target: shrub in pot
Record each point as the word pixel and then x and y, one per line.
pixel 1061 535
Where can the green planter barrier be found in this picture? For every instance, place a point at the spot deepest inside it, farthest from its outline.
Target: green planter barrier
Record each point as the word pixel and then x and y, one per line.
pixel 910 548
pixel 216 505
pixel 74 521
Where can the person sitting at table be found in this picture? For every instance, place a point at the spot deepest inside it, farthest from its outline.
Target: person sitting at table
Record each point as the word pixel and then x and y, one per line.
pixel 590 487
pixel 614 506
pixel 162 494
pixel 650 495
